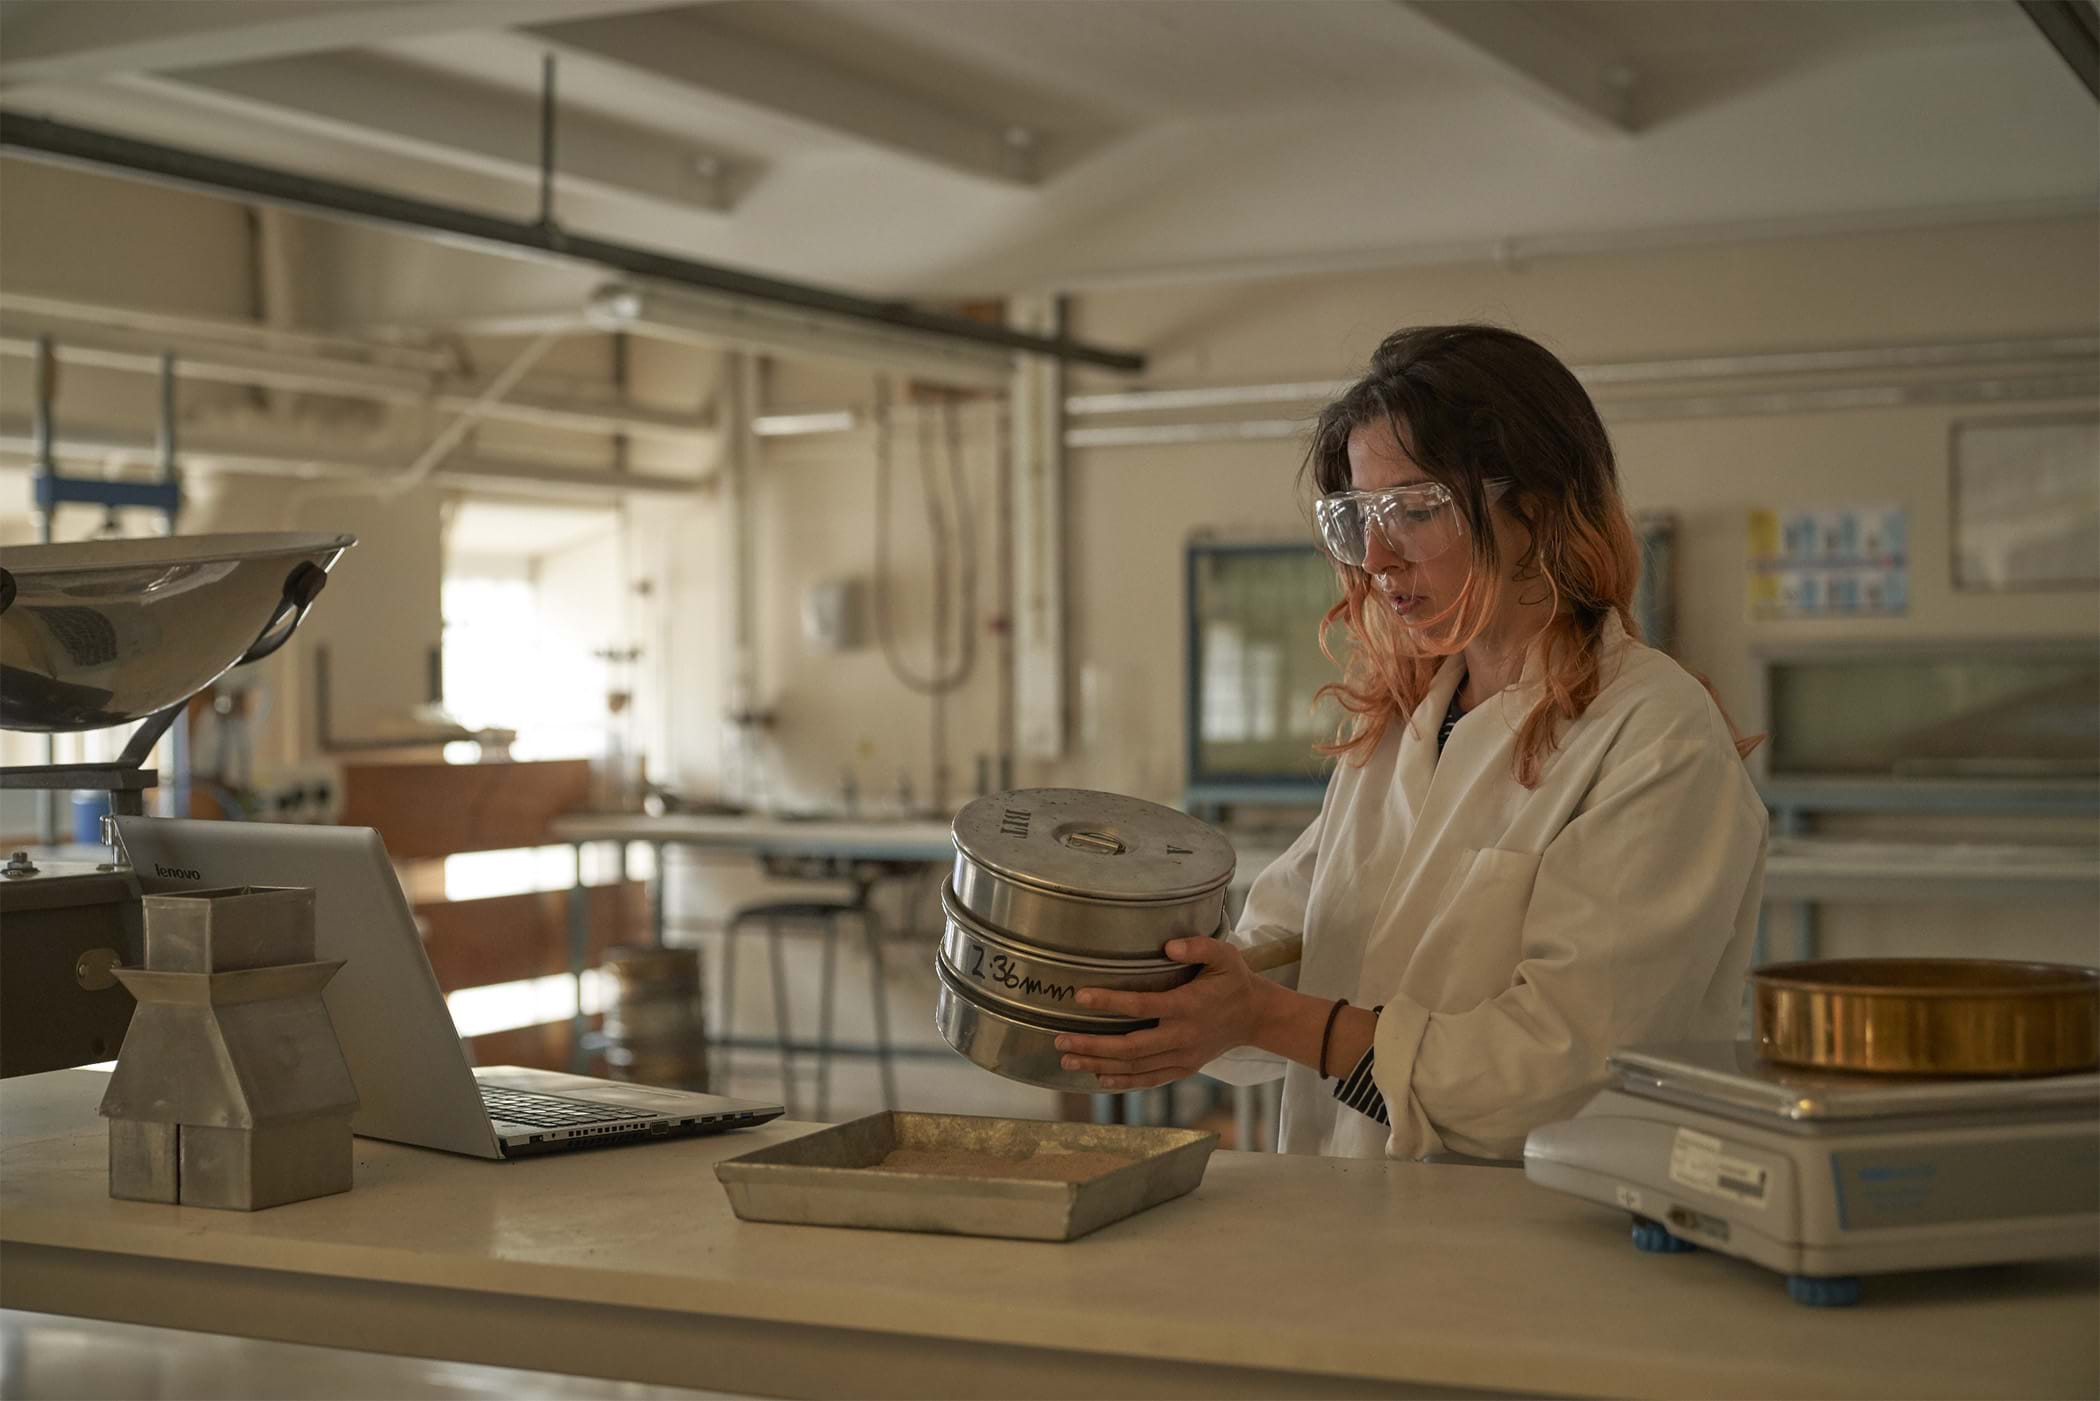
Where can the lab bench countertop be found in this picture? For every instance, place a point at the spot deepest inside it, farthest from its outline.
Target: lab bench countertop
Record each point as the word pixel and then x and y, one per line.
pixel 1278 1276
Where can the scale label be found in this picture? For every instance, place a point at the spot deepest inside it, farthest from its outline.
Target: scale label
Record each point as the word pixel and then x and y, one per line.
pixel 2028 1175
pixel 1701 1161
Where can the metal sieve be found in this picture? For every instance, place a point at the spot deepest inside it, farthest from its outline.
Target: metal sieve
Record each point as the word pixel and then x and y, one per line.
pixel 1026 980
pixel 1090 873
pixel 1057 889
pixel 1929 1016
pixel 1005 1044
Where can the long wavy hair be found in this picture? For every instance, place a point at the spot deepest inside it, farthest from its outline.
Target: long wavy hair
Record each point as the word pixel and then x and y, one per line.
pixel 1480 402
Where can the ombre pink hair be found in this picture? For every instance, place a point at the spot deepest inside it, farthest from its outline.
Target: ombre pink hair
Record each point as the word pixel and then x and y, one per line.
pixel 1477 403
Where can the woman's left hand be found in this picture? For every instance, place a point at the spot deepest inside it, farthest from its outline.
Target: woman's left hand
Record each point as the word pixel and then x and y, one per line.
pixel 1218 1010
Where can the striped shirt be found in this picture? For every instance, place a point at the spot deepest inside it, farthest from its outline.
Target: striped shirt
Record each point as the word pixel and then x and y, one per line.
pixel 1357 1089
pixel 1452 713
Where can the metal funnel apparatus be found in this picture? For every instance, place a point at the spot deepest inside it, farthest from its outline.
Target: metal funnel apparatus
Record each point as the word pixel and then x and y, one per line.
pixel 104 632
pixel 98 634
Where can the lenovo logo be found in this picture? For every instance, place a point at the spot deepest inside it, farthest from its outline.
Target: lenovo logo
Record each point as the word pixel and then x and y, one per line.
pixel 175 872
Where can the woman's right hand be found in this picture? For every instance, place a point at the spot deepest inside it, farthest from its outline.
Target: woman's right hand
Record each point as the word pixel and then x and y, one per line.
pixel 1220 1009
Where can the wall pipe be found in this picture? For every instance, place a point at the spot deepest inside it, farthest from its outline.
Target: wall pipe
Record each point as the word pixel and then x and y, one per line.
pixel 37 138
pixel 204 361
pixel 430 363
pixel 47 519
pixel 302 460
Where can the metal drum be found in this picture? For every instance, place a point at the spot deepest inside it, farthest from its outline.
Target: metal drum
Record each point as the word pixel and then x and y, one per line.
pixel 655 1027
pixel 1929 1016
pixel 1058 889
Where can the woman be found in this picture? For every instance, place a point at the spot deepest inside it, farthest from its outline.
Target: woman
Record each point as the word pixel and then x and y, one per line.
pixel 1540 843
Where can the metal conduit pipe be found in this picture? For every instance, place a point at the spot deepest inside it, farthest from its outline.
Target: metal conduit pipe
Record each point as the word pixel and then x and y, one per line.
pixel 2072 28
pixel 1849 360
pixel 223 364
pixel 103 445
pixel 40 139
pixel 2038 368
pixel 453 433
pixel 1957 355
pixel 429 362
pixel 1639 410
pixel 1647 408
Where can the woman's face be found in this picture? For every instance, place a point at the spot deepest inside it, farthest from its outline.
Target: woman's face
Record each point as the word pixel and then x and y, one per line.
pixel 1416 591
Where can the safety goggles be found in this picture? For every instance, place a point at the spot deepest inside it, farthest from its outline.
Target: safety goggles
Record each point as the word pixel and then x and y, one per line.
pixel 1417 522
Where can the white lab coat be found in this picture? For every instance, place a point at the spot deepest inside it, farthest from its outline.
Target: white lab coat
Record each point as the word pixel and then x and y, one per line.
pixel 1515 937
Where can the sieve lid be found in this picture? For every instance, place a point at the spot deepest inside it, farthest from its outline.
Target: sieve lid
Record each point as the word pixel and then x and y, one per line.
pixel 1102 846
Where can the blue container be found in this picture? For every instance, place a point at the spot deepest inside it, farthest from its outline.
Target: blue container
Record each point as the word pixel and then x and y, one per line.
pixel 90 806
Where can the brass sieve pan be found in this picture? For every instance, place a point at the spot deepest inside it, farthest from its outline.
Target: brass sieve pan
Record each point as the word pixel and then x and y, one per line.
pixel 1929 1016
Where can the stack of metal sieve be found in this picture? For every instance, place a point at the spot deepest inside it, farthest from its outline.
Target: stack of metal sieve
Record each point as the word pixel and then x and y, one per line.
pixel 1058 889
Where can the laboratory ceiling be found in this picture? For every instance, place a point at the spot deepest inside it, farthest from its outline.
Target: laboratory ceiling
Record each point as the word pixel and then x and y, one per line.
pixel 948 148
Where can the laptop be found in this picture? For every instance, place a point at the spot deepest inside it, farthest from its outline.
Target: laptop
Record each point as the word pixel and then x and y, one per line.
pixel 414 1084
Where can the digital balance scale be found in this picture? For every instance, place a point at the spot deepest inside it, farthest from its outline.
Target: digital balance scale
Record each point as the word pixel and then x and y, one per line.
pixel 1826 1177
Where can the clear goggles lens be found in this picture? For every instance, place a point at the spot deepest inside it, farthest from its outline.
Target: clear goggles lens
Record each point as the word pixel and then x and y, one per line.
pixel 1416 522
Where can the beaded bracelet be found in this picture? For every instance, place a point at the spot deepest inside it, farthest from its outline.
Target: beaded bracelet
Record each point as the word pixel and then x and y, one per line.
pixel 1327 1033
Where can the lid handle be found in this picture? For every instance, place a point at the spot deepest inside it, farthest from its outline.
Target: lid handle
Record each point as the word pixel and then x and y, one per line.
pixel 1099 843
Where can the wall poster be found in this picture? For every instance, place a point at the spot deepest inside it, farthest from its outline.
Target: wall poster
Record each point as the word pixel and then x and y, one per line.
pixel 1834 562
pixel 2027 503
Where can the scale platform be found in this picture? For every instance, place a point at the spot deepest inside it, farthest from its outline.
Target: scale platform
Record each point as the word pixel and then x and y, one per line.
pixel 1827 1177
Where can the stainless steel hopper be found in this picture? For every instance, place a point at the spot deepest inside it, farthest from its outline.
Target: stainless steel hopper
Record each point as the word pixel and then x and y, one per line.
pixel 104 632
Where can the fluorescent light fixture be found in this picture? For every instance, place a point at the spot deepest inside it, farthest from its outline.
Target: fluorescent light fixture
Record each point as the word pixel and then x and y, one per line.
pixel 795 425
pixel 719 319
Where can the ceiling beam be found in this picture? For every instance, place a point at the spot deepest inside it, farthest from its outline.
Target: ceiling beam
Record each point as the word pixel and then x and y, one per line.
pixel 35 138
pixel 67 41
pixel 747 76
pixel 1568 71
pixel 386 105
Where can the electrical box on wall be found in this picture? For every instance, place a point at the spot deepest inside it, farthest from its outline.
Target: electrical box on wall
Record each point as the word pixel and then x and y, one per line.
pixel 303 792
pixel 834 615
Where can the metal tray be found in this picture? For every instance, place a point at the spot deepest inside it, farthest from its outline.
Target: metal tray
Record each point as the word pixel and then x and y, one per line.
pixel 833 1177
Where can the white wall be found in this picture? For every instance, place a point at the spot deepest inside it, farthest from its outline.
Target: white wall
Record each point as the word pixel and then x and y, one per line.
pixel 1937 286
pixel 842 713
pixel 1132 509
pixel 69 234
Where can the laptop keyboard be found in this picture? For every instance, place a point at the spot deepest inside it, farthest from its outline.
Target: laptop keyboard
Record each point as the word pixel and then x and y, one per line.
pixel 552 1111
